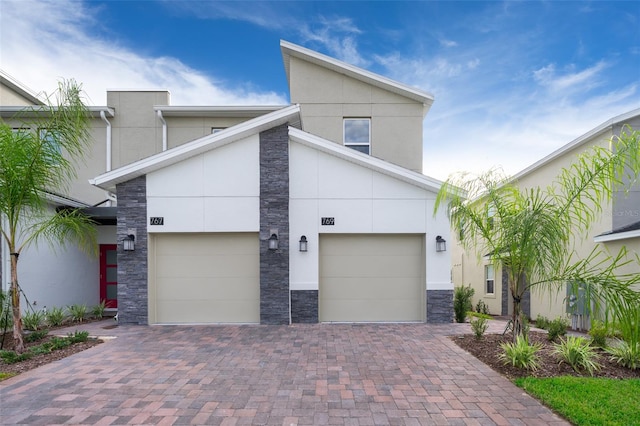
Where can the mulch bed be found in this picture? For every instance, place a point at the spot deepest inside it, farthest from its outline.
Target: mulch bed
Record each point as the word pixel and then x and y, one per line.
pixel 41 359
pixel 488 348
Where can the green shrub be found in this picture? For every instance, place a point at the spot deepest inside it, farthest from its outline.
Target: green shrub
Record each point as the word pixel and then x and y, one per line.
pixel 45 348
pixel 98 310
pixel 626 355
pixel 10 357
pixel 33 320
pixel 479 315
pixel 521 354
pixel 56 316
pixel 577 352
pixel 462 302
pixel 59 343
pixel 35 336
pixel 479 326
pixel 542 322
pixel 598 333
pixel 482 307
pixel 78 312
pixel 78 336
pixel 557 328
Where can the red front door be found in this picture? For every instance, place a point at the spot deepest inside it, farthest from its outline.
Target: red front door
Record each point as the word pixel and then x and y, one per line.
pixel 109 275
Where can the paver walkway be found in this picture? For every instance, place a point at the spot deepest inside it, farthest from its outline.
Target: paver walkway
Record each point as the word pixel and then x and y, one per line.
pixel 396 374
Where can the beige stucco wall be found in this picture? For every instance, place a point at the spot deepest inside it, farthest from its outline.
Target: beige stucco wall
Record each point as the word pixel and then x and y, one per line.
pixel 9 97
pixel 327 97
pixel 184 129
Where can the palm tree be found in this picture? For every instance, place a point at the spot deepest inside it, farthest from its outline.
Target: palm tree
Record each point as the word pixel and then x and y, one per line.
pixel 37 159
pixel 531 232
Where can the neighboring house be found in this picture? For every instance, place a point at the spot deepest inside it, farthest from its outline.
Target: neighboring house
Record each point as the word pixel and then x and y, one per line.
pixel 332 181
pixel 619 225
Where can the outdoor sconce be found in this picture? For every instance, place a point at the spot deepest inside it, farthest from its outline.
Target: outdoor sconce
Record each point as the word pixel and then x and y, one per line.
pixel 128 243
pixel 303 243
pixel 273 242
pixel 441 244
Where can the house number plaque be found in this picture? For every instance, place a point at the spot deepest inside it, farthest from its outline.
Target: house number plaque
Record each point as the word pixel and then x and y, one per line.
pixel 328 221
pixel 156 221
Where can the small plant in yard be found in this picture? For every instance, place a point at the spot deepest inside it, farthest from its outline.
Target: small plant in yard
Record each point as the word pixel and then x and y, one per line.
pixel 542 322
pixel 557 328
pixel 78 336
pixel 78 312
pixel 626 355
pixel 36 335
pixel 577 352
pixel 56 316
pixel 598 333
pixel 11 357
pixel 33 320
pixel 479 326
pixel 98 310
pixel 462 302
pixel 482 307
pixel 521 354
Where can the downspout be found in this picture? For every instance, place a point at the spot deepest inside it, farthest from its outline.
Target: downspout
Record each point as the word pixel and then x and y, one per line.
pixel 164 131
pixel 110 196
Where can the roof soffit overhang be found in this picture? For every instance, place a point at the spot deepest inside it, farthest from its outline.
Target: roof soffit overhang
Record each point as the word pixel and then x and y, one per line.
pixel 364 160
pixel 217 111
pixel 289 49
pixel 18 112
pixel 109 180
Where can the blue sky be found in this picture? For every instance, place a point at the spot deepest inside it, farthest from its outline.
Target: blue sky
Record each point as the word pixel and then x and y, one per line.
pixel 512 81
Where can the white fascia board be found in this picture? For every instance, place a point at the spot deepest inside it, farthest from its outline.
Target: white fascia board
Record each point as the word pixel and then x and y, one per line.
pixel 163 159
pixel 38 111
pixel 607 125
pixel 217 111
pixel 64 201
pixel 373 163
pixel 289 49
pixel 616 237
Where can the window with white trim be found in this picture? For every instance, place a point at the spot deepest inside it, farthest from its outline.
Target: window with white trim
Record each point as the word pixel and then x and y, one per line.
pixel 489 276
pixel 357 134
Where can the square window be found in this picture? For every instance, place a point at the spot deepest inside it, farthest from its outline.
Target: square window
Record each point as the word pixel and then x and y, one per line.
pixel 489 279
pixel 357 134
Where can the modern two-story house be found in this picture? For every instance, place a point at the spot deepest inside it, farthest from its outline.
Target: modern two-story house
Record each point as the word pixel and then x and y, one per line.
pixel 310 212
pixel 618 226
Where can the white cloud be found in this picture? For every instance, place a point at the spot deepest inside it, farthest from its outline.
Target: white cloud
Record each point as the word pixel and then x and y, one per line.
pixel 585 79
pixel 51 36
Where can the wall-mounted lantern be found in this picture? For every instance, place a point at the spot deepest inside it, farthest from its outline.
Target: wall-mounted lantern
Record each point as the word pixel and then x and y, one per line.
pixel 303 243
pixel 128 243
pixel 273 242
pixel 441 244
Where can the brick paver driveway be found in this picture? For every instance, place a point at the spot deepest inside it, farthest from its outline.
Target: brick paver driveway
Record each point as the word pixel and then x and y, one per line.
pixel 278 375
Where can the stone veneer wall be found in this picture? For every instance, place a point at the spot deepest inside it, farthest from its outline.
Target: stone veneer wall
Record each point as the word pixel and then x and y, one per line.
pixel 132 265
pixel 439 306
pixel 274 214
pixel 304 306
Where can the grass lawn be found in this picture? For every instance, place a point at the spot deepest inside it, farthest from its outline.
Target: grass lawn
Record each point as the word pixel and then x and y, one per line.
pixel 588 401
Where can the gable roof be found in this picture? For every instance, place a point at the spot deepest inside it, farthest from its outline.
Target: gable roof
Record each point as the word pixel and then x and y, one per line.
pixel 364 160
pixel 289 49
pixel 109 180
pixel 607 125
pixel 622 233
pixel 19 88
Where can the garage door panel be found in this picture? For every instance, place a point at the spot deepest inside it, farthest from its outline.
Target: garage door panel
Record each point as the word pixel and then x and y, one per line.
pixel 371 278
pixel 206 265
pixel 194 311
pixel 206 278
pixel 371 266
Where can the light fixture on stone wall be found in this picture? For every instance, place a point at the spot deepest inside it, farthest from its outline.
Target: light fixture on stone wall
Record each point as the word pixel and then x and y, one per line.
pixel 441 244
pixel 303 243
pixel 273 241
pixel 128 243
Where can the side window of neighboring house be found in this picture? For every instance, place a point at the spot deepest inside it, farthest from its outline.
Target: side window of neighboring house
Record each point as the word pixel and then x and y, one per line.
pixel 49 137
pixel 216 129
pixel 357 134
pixel 489 279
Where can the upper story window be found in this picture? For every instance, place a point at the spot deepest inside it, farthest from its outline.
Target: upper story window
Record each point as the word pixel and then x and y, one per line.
pixel 489 279
pixel 357 134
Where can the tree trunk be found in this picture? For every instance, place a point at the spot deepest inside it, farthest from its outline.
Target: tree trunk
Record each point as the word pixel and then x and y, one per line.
pixel 15 305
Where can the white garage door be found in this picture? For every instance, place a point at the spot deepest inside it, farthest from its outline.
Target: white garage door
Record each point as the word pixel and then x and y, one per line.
pixel 371 278
pixel 204 278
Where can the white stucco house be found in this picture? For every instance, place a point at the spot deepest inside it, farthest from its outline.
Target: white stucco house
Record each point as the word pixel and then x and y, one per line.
pixel 315 211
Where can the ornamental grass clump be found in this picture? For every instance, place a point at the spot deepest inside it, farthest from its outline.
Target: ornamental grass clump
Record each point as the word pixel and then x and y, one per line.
pixel 56 316
pixel 578 353
pixel 521 354
pixel 479 326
